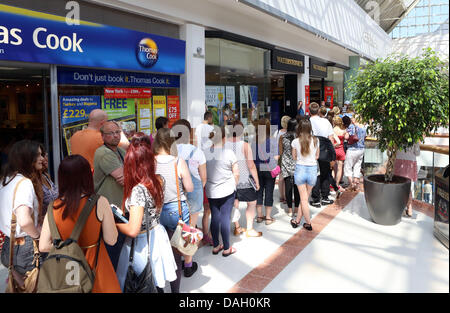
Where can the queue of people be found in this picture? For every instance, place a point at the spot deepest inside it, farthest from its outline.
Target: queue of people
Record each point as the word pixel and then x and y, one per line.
pixel 174 174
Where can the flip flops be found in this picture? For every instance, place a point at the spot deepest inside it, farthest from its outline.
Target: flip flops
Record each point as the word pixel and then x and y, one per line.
pixel 233 251
pixel 217 252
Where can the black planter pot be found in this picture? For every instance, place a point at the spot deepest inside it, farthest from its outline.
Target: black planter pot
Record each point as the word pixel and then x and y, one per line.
pixel 386 202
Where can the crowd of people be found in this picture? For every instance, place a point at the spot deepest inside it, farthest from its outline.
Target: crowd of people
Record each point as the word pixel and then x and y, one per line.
pixel 175 174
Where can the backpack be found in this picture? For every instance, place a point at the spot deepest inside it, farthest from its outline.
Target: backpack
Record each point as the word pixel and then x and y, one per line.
pixel 65 269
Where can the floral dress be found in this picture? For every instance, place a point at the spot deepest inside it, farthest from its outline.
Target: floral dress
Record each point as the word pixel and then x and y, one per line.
pixel 287 162
pixel 162 259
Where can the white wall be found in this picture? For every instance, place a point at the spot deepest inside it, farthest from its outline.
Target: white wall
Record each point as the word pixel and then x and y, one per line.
pixel 193 81
pixel 343 20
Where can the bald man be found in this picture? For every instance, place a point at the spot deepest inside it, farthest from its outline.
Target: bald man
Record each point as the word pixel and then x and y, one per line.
pixel 86 141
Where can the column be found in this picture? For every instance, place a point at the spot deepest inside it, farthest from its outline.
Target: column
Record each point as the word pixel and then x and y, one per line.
pixel 193 81
pixel 354 62
pixel 302 81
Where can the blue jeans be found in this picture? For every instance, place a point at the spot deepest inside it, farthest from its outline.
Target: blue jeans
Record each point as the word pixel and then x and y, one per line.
pixel 305 175
pixel 170 216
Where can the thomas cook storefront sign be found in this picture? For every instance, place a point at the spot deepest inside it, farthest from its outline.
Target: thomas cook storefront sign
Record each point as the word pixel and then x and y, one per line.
pixel 32 36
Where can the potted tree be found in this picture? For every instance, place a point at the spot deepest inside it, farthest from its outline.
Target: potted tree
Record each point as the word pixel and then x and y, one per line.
pixel 402 100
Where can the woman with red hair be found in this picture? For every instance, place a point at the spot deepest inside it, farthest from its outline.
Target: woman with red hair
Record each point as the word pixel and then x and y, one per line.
pixel 144 190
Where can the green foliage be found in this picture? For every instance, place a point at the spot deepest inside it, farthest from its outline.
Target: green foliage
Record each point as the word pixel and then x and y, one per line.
pixel 402 99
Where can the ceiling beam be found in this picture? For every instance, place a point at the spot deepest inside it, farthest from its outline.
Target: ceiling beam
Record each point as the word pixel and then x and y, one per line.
pixel 400 18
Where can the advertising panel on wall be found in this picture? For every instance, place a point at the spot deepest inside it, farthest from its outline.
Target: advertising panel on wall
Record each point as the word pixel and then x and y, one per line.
pixel 215 101
pixel 145 115
pixel 32 36
pixel 159 108
pixel 173 108
pixel 307 99
pixel 329 92
pixel 74 113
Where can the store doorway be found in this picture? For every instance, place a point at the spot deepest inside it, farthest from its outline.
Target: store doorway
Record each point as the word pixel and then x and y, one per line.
pixel 278 100
pixel 24 106
pixel 316 89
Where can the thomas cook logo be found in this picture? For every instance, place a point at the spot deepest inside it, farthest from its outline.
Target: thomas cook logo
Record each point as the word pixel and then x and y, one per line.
pixel 147 52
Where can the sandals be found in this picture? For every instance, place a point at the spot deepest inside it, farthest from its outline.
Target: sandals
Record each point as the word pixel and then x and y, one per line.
pixel 239 230
pixel 407 214
pixel 207 240
pixel 307 226
pixel 269 221
pixel 217 252
pixel 260 219
pixel 294 224
pixel 253 233
pixel 233 251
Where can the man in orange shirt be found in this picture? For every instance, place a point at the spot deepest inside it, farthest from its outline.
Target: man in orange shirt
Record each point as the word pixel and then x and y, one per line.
pixel 86 141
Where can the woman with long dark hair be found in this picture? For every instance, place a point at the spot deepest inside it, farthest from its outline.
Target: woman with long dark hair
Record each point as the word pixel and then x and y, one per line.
pixel 76 185
pixel 176 175
pixel 49 189
pixel 21 183
pixel 266 161
pixel 144 190
pixel 288 166
pixel 223 176
pixel 305 150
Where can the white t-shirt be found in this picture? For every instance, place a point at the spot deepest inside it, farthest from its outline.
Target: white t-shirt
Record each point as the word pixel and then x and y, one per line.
pixel 198 158
pixel 202 135
pixel 310 159
pixel 25 195
pixel 220 179
pixel 321 127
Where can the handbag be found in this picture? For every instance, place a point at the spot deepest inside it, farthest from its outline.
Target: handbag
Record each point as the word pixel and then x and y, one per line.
pixel 275 171
pixel 142 283
pixel 185 238
pixel 352 139
pixel 18 283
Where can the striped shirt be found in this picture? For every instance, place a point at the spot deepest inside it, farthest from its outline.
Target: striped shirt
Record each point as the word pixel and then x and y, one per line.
pixel 166 168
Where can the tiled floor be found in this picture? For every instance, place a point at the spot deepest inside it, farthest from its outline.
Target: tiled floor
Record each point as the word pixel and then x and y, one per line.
pixel 346 252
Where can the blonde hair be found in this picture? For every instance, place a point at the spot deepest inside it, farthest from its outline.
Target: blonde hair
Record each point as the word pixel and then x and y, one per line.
pixel 284 121
pixel 337 121
pixel 336 110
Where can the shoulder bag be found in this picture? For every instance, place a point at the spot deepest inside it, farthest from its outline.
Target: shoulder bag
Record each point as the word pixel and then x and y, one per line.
pixel 142 283
pixel 18 283
pixel 185 238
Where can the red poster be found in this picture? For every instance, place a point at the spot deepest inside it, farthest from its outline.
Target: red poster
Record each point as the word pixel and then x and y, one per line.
pixel 329 95
pixel 173 107
pixel 307 100
pixel 128 93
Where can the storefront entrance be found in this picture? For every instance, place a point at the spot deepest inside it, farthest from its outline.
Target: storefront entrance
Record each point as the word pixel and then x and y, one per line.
pixel 24 105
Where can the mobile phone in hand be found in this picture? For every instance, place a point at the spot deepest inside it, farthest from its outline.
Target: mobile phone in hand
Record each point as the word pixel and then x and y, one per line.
pixel 118 214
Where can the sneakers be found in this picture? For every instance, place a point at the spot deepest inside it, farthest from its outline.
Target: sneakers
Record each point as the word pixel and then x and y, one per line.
pixel 315 204
pixel 327 201
pixel 189 271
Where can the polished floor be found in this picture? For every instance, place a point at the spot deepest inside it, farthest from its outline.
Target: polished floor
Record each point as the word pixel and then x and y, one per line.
pixel 346 252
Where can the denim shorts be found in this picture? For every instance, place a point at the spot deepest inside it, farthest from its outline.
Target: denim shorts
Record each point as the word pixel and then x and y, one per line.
pixel 305 175
pixel 195 198
pixel 170 216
